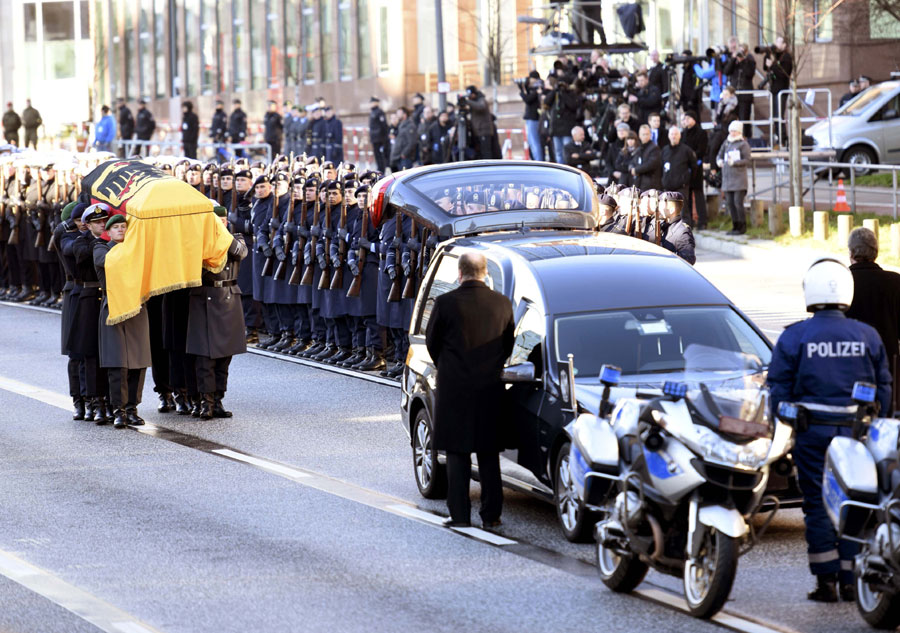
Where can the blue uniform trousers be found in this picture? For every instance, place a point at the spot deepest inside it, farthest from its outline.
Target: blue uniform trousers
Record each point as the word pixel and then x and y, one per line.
pixel 827 554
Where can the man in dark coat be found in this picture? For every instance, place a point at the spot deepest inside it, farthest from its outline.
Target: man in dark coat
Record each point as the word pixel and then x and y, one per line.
pixel 146 124
pixel 646 166
pixel 470 336
pixel 694 136
pixel 216 328
pixel 334 137
pixel 218 127
pixel 876 297
pixel 579 153
pixel 31 121
pixel 273 128
pixel 378 134
pixel 237 126
pixel 125 346
pixel 678 162
pixel 647 99
pixel 65 233
pixel 563 104
pixel 741 69
pixel 240 201
pixel 126 126
pixel 11 124
pixel 404 150
pixel 190 129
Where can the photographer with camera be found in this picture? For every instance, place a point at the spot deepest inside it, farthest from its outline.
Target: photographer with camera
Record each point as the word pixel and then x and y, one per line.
pixel 564 104
pixel 779 65
pixel 624 115
pixel 740 69
pixel 482 130
pixel 646 97
pixel 531 89
pixel 713 71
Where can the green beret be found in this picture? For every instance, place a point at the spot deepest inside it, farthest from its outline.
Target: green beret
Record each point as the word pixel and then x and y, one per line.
pixel 67 211
pixel 220 211
pixel 115 219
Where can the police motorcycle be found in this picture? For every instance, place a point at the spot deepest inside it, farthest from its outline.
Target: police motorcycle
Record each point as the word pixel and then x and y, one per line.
pixel 861 491
pixel 677 478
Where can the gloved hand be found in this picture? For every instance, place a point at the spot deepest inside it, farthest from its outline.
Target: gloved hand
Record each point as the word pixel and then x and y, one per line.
pixel 335 262
pixel 233 217
pixel 266 249
pixel 431 242
pixel 307 259
pixel 364 243
pixel 342 234
pixel 302 231
pixel 279 254
pixel 70 224
pixel 290 228
pixel 406 268
pixel 274 224
pixel 354 268
pixel 294 255
pixel 391 272
pixel 315 231
pixel 323 263
pixel 248 227
pixel 396 242
pixel 413 244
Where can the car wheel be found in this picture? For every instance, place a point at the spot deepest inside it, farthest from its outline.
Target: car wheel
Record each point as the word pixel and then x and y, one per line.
pixel 431 477
pixel 576 522
pixel 859 155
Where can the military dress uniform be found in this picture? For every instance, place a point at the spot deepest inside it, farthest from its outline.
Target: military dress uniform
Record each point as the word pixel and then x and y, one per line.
pixel 277 293
pixel 240 205
pixel 216 330
pixel 297 231
pixel 345 323
pixel 260 215
pixel 334 140
pixel 65 235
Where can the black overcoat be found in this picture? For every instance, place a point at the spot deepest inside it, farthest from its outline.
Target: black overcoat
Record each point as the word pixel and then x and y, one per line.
pixel 876 301
pixel 82 338
pixel 215 326
pixel 470 335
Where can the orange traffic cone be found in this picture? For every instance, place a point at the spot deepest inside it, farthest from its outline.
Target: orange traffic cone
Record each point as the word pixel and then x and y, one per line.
pixel 841 204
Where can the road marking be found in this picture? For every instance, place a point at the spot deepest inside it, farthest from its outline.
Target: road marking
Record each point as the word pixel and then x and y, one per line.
pixel 396 506
pixel 393 417
pixel 361 375
pixel 28 307
pixel 101 614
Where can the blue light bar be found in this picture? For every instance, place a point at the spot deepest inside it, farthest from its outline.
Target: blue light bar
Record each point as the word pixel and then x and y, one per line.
pixel 864 392
pixel 674 389
pixel 788 411
pixel 610 375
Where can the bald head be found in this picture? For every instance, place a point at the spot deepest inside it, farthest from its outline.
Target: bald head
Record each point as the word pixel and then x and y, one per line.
pixel 472 267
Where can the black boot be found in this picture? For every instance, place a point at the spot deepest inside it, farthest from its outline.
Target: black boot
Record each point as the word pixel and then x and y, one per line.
pixel 133 418
pixel 312 350
pixel 389 367
pixel 218 409
pixel 826 589
pixel 375 362
pixel 848 592
pixel 300 346
pixel 195 407
pixel 396 371
pixel 51 300
pixel 342 354
pixel 327 351
pixel 166 403
pixel 265 342
pixel 206 406
pixel 40 298
pixel 286 341
pixel 78 413
pixel 181 406
pixel 359 353
pixel 90 409
pixel 103 414
pixel 121 420
pixel 251 336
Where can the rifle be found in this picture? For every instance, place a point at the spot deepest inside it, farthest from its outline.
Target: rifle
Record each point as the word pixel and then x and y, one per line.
pixel 424 259
pixel 658 231
pixel 325 279
pixel 280 270
pixel 51 245
pixel 14 229
pixel 39 212
pixel 337 280
pixel 356 284
pixel 397 284
pixel 267 267
pixel 409 288
pixel 301 243
pixel 313 242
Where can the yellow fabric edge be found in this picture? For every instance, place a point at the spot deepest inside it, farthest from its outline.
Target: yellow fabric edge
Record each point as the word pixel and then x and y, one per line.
pixel 193 283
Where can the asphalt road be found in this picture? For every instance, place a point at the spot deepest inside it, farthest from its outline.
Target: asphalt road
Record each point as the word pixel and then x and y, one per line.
pixel 301 514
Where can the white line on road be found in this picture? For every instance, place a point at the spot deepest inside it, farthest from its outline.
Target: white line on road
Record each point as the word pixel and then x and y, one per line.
pixel 101 614
pixel 395 417
pixel 35 393
pixel 272 467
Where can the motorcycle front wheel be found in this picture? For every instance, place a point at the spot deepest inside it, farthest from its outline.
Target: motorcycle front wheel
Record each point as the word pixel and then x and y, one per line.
pixel 881 609
pixel 621 573
pixel 708 578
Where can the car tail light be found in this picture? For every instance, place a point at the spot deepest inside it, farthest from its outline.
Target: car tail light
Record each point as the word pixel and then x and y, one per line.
pixel 376 200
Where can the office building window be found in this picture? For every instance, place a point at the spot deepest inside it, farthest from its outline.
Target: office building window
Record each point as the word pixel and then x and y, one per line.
pixel 383 43
pixel 209 51
pixel 308 18
pixel 291 41
pixel 327 39
pixel 59 21
pixel 191 46
pixel 223 39
pixel 132 72
pixel 364 39
pixel 257 45
pixel 824 20
pixel 160 41
pixel 30 22
pixel 767 22
pixel 240 40
pixel 145 46
pixel 85 20
pixel 344 66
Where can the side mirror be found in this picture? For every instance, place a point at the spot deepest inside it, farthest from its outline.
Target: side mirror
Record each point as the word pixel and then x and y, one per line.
pixel 522 372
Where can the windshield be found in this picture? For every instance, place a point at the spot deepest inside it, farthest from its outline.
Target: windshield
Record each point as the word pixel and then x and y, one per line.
pixel 470 191
pixel 863 100
pixel 652 344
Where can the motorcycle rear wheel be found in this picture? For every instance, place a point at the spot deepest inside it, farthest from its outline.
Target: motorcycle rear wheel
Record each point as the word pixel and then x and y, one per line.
pixel 708 581
pixel 620 573
pixel 881 609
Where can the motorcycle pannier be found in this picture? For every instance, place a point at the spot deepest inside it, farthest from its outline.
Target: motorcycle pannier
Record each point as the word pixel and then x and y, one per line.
pixel 849 475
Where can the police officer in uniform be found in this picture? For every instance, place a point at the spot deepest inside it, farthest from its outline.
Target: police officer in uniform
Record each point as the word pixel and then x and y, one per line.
pixel 378 134
pixel 334 137
pixel 237 126
pixel 815 363
pixel 316 135
pixel 190 129
pixel 273 128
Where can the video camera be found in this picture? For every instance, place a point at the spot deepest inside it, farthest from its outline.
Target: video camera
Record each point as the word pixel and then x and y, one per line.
pixel 765 50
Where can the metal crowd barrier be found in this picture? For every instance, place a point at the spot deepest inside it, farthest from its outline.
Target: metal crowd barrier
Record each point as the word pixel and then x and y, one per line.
pixel 136 146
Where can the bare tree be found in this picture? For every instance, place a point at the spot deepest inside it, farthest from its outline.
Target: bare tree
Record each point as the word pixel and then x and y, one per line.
pixel 491 40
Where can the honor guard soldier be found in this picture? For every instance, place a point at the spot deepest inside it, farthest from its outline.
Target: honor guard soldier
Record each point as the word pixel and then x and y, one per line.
pixel 83 337
pixel 816 363
pixel 308 290
pixel 292 236
pixel 260 214
pixel 607 221
pixel 316 143
pixel 678 236
pixel 125 346
pixel 65 235
pixel 276 291
pixel 342 278
pixel 215 328
pixel 239 215
pixel 392 309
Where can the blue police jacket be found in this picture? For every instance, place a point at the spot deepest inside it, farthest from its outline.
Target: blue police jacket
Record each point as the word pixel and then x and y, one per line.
pixel 817 361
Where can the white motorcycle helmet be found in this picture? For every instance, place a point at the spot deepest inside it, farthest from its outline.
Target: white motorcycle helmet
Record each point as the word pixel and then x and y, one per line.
pixel 828 282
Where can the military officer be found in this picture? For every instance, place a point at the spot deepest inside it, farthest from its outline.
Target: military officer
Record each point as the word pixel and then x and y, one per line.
pixel 277 292
pixel 334 137
pixel 241 200
pixel 260 215
pixel 65 234
pixel 216 328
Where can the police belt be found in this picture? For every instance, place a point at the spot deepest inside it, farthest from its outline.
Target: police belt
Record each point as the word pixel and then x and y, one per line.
pixel 91 284
pixel 814 408
pixel 221 284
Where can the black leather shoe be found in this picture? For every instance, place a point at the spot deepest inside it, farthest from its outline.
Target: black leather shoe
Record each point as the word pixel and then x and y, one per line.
pixel 251 336
pixel 848 592
pixel 300 346
pixel 78 413
pixel 50 301
pixel 121 420
pixel 90 409
pixel 287 341
pixel 374 363
pixel 219 411
pixel 450 523
pixel 133 418
pixel 103 414
pixel 181 406
pixel 342 354
pixel 327 351
pixel 40 298
pixel 265 341
pixel 165 404
pixel 195 408
pixel 492 525
pixel 825 591
pixel 206 407
pixel 358 355
pixel 312 350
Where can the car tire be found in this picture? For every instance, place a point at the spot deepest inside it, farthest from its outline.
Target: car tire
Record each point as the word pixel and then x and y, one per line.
pixel 575 521
pixel 431 477
pixel 859 155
